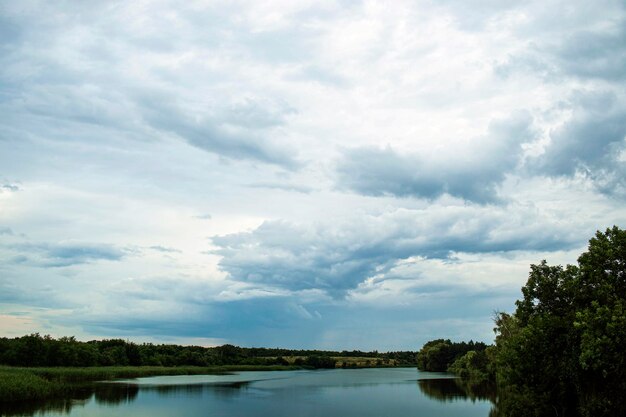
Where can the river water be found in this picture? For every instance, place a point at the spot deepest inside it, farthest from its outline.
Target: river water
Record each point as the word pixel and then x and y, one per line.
pixel 389 392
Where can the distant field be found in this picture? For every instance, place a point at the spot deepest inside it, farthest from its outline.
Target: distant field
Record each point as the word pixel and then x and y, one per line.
pixel 363 362
pixel 349 361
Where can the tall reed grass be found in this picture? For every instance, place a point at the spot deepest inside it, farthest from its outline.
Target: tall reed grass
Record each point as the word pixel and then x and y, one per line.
pixel 29 384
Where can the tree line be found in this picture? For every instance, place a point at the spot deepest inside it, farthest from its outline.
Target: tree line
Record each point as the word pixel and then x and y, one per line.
pixel 35 350
pixel 562 352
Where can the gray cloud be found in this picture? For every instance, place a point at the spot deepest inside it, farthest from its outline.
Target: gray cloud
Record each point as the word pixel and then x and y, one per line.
pixel 582 43
pixel 337 258
pixel 86 86
pixel 282 186
pixel 256 113
pixel 594 53
pixel 472 174
pixel 9 188
pixel 52 255
pixel 164 249
pixel 12 292
pixel 590 142
pixel 213 135
pixel 473 16
pixel 243 322
pixel 6 231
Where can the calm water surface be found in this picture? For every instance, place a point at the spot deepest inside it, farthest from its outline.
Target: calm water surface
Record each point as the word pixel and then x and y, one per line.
pixel 390 392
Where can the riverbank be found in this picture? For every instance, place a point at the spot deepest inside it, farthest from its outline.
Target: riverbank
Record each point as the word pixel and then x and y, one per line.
pixel 33 384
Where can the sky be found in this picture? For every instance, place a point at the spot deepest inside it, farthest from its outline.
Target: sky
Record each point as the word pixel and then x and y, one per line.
pixel 300 174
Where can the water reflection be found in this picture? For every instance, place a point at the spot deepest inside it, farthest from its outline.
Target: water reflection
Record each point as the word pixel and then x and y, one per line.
pixel 113 394
pixel 453 389
pixel 227 389
pixel 347 393
pixel 59 405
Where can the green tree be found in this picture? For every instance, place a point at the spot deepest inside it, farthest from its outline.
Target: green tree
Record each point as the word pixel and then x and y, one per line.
pixel 473 365
pixel 437 355
pixel 600 324
pixel 318 362
pixel 563 351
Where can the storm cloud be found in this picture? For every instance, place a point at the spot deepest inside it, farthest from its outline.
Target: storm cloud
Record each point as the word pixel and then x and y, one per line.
pixel 472 171
pixel 62 254
pixel 337 257
pixel 591 142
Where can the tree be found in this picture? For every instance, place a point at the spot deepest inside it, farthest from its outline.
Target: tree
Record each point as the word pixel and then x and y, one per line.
pixel 437 355
pixel 600 324
pixel 563 349
pixel 318 362
pixel 473 365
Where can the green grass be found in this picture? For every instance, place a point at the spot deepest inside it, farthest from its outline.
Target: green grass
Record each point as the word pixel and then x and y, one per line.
pixel 19 385
pixel 31 384
pixel 113 372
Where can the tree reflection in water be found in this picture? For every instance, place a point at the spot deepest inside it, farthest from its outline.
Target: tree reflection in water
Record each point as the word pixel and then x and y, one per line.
pixel 224 389
pixel 112 394
pixel 455 389
pixel 77 398
pixel 451 389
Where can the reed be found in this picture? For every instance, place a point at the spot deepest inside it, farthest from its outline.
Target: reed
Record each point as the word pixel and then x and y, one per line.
pixel 22 385
pixel 30 384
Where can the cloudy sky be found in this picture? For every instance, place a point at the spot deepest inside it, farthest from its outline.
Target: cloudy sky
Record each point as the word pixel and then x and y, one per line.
pixel 324 174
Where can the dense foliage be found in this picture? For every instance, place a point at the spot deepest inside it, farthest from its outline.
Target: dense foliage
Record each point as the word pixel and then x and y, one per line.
pixel 564 348
pixel 563 351
pixel 475 365
pixel 36 350
pixel 438 355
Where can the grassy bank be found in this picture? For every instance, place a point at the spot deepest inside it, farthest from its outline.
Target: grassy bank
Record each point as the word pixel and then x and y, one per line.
pixel 20 385
pixel 31 384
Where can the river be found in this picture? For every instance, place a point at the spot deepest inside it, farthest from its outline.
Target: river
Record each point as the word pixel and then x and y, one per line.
pixel 389 392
